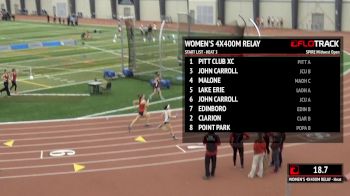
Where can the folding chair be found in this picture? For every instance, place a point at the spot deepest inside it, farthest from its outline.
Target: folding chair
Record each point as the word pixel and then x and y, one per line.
pixel 107 88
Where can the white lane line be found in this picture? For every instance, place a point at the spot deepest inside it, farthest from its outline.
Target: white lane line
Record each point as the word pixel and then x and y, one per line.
pixel 345 73
pixel 85 141
pixel 346 89
pixel 84 148
pixel 111 152
pixel 100 161
pixel 70 129
pixel 72 119
pixel 56 66
pixel 142 149
pixel 138 60
pixel 115 124
pixel 53 94
pixel 139 165
pixel 41 154
pixel 180 148
pixel 346 103
pixel 49 58
pixel 346 110
pixel 179 125
pixel 70 70
pixel 118 131
pixel 345 96
pixel 131 107
pixel 58 86
pixel 53 58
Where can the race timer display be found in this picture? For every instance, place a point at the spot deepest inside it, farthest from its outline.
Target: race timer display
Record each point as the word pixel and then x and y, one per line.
pixel 315 173
pixel 263 84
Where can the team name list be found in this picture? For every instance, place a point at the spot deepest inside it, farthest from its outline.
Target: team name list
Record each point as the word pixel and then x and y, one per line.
pixel 256 85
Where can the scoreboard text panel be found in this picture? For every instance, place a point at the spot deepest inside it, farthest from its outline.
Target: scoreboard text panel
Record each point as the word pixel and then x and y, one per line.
pixel 257 85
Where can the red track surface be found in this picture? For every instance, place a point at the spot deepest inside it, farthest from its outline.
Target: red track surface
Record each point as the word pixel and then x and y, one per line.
pixel 117 165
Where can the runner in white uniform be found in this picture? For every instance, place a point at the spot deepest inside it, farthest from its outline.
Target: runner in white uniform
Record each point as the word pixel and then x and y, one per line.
pixel 166 121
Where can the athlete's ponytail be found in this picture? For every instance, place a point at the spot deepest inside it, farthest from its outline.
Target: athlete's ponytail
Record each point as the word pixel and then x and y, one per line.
pixel 166 107
pixel 140 97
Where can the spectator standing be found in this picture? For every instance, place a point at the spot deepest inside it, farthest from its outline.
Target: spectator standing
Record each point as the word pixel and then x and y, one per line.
pixel 236 142
pixel 76 20
pixel 276 148
pixel 266 138
pixel 281 21
pixel 68 21
pixel 283 138
pixel 149 32
pixel 272 21
pixel 257 21
pixel 211 141
pixel 218 22
pixel 258 158
pixel 154 30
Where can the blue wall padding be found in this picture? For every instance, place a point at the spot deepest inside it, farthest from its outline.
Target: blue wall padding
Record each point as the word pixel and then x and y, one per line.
pixel 109 74
pixel 19 46
pixel 51 43
pixel 127 72
pixel 163 83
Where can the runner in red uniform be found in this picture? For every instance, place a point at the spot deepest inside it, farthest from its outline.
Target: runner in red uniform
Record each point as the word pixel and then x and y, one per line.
pixel 142 111
pixel 14 80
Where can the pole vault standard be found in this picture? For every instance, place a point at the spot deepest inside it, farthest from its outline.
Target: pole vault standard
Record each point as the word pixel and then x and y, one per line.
pixel 256 26
pixel 160 47
pixel 126 20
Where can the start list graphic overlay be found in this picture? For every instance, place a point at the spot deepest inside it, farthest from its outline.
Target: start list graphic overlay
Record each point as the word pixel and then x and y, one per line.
pixel 263 84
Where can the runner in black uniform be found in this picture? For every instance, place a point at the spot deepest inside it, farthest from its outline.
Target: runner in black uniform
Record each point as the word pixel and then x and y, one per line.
pixel 5 79
pixel 14 80
pixel 156 86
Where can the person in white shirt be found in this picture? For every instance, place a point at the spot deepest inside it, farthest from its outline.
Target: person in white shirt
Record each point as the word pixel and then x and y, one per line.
pixel 166 121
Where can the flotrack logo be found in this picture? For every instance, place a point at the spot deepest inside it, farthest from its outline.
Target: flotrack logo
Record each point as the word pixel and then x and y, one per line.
pixel 314 43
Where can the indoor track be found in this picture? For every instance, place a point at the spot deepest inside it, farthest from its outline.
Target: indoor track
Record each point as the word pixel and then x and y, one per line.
pixel 116 164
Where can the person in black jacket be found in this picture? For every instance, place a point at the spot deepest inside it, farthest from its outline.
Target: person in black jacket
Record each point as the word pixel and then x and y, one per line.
pixel 236 142
pixel 68 20
pixel 283 138
pixel 211 141
pixel 267 141
pixel 276 149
